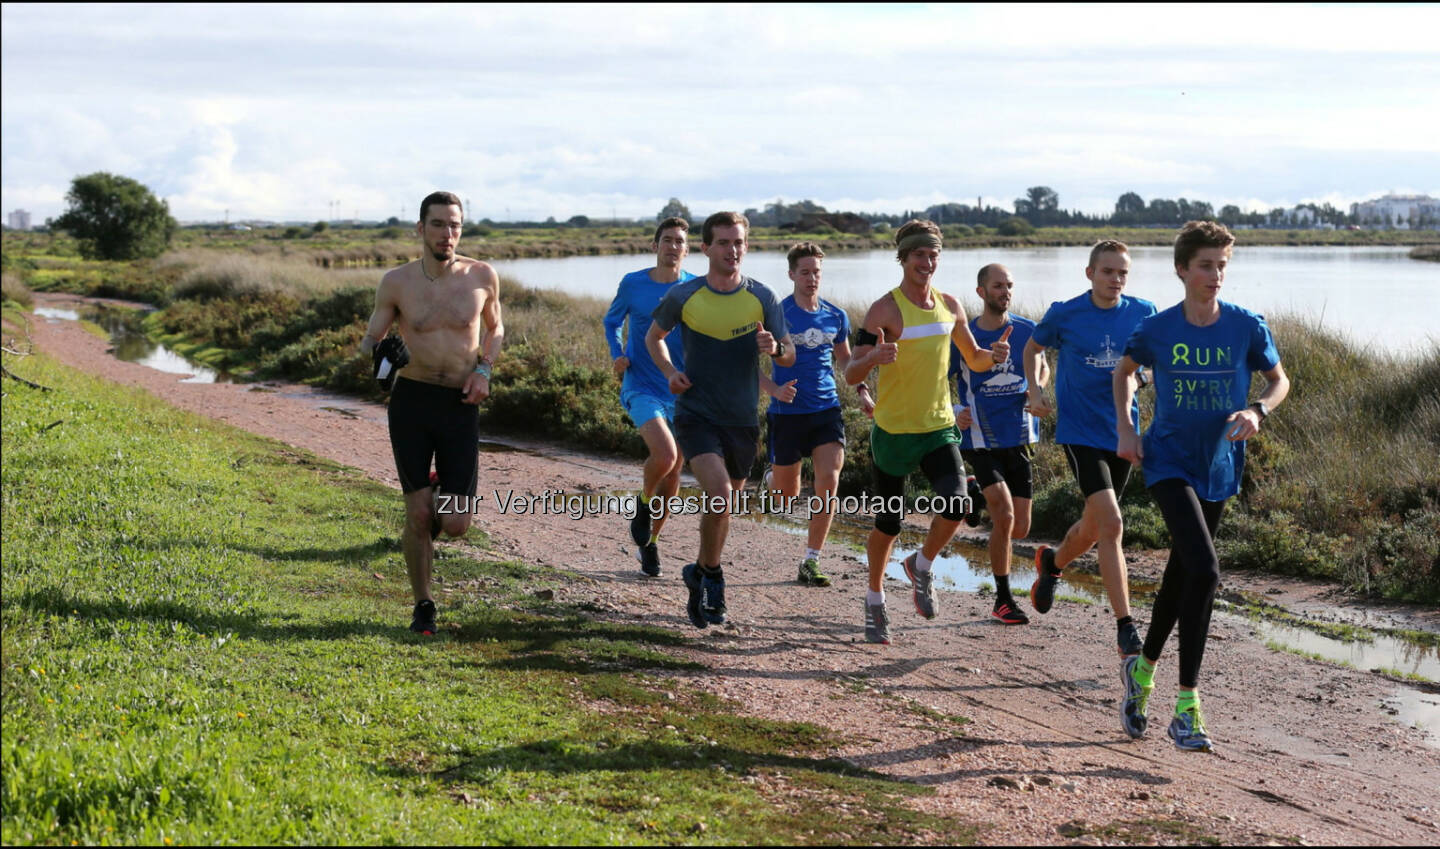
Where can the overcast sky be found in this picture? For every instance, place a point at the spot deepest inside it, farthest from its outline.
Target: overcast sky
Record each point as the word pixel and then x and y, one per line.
pixel 534 111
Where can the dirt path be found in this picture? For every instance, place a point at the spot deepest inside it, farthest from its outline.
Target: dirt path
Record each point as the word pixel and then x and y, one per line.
pixel 1304 751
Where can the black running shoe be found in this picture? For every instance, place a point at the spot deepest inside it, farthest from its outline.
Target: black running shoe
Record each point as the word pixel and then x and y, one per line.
pixel 691 576
pixel 423 621
pixel 1042 592
pixel 1006 611
pixel 649 557
pixel 1128 638
pixel 977 501
pixel 640 525
pixel 713 605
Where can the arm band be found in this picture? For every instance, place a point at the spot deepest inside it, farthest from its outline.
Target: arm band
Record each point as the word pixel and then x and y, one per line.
pixel 865 337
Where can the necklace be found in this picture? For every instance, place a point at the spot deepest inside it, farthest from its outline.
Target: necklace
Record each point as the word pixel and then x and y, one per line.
pixel 438 275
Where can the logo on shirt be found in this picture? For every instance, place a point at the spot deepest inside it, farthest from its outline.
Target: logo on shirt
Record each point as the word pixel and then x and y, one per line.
pixel 1004 382
pixel 1108 358
pixel 814 338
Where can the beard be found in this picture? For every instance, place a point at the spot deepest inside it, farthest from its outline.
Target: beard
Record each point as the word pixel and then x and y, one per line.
pixel 442 256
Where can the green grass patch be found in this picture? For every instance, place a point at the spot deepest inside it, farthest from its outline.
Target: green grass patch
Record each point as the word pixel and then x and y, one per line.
pixel 196 649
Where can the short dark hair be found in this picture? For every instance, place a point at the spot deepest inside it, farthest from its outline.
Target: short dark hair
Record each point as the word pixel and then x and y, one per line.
pixel 1200 234
pixel 1106 245
pixel 914 225
pixel 442 198
pixel 985 272
pixel 674 222
pixel 802 250
pixel 722 219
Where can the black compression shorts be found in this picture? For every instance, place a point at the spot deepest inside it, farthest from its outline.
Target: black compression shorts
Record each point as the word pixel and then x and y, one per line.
pixel 428 420
pixel 1097 469
pixel 1010 466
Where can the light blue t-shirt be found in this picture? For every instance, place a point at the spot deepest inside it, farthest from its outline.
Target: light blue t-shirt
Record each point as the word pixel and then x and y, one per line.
pixel 814 335
pixel 1090 341
pixel 996 397
pixel 636 300
pixel 1202 375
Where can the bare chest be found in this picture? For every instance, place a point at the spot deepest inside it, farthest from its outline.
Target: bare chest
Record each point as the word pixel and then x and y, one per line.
pixel 442 307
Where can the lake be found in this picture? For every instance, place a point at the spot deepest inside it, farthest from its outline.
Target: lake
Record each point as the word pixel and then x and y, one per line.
pixel 1375 295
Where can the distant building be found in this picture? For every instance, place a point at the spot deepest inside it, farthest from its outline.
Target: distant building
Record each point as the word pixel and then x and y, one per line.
pixel 1399 211
pixel 18 220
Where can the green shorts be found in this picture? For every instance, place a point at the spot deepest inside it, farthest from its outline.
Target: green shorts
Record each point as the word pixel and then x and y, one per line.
pixel 899 454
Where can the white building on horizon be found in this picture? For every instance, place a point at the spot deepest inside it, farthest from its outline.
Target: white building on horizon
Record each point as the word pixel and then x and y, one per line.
pixel 1399 211
pixel 18 220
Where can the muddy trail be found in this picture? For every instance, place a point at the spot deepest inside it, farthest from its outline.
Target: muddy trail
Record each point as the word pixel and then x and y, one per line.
pixel 1306 751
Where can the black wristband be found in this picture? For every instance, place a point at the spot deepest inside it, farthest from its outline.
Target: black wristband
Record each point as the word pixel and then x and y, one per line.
pixel 865 337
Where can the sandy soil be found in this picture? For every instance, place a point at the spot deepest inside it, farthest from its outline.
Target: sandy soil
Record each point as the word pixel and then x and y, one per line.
pixel 1305 752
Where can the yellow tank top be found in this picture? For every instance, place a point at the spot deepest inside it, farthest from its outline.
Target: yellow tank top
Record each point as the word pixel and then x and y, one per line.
pixel 913 393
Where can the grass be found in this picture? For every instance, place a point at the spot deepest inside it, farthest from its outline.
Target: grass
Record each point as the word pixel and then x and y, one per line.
pixel 1274 645
pixel 204 641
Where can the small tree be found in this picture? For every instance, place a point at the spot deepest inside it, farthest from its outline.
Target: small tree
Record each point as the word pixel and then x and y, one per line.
pixel 114 217
pixel 1015 226
pixel 673 209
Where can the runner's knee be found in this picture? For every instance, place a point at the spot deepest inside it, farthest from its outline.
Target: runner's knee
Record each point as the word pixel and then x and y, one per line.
pixel 455 524
pixel 1109 526
pixel 419 516
pixel 888 524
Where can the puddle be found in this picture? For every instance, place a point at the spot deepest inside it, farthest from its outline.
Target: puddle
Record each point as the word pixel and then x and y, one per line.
pixel 1381 652
pixel 1417 710
pixel 132 346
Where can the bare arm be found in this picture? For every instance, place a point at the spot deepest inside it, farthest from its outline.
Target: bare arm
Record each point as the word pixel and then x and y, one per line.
pixel 655 344
pixel 1247 421
pixel 882 318
pixel 477 385
pixel 977 358
pixel 1037 373
pixel 842 361
pixel 382 317
pixel 1122 386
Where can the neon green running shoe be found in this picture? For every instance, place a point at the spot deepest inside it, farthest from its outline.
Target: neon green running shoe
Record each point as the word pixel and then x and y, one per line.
pixel 810 574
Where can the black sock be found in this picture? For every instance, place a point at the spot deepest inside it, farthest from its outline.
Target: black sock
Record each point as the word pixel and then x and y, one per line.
pixel 714 573
pixel 1002 587
pixel 1123 621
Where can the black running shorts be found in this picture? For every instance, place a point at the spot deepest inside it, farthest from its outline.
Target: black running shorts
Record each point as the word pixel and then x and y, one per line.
pixel 1010 466
pixel 736 445
pixel 427 420
pixel 794 436
pixel 1096 469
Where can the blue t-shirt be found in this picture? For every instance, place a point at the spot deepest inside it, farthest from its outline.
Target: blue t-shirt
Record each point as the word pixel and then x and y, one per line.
pixel 814 335
pixel 636 299
pixel 718 330
pixel 996 397
pixel 1090 341
pixel 1202 375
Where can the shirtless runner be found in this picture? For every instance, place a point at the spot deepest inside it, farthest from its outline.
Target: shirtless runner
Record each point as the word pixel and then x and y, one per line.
pixel 440 302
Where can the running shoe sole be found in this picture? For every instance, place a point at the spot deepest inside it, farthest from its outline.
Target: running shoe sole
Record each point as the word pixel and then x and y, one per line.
pixel 1133 707
pixel 924 600
pixel 1128 641
pixel 691 576
pixel 877 624
pixel 712 604
pixel 649 557
pixel 1042 592
pixel 640 525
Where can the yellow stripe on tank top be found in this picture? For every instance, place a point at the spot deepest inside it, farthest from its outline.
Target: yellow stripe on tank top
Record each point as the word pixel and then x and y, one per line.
pixel 913 394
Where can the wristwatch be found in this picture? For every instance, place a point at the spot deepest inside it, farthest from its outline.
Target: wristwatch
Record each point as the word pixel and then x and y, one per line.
pixel 1259 407
pixel 779 349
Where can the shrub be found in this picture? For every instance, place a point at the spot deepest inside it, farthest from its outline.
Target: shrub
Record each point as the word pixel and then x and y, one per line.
pixel 15 291
pixel 1015 226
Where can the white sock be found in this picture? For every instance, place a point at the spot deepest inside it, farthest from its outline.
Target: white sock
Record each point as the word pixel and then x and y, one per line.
pixel 873 597
pixel 812 553
pixel 922 563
